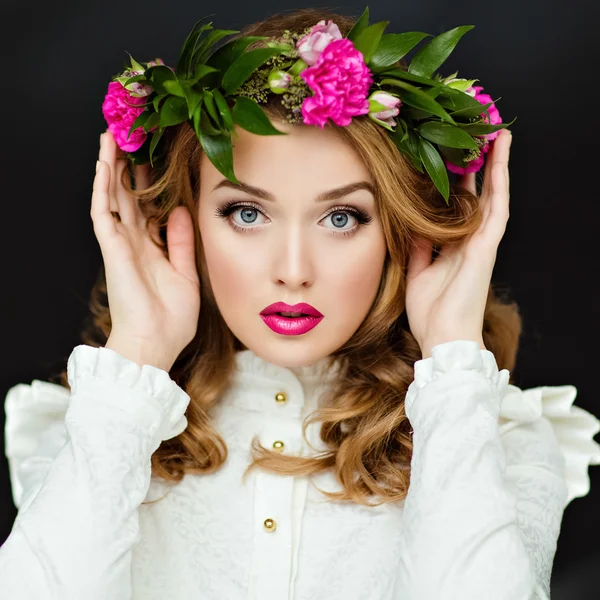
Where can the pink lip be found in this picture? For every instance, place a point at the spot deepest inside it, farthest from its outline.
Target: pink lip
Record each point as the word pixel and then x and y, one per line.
pixel 287 325
pixel 301 307
pixel 290 326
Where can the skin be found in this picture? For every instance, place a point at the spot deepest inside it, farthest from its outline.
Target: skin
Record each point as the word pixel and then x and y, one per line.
pixel 291 252
pixel 154 300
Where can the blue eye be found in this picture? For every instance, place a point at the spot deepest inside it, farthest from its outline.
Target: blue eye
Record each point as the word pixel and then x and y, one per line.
pixel 339 216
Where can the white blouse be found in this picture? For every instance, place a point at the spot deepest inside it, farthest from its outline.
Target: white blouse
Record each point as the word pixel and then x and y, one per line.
pixel 493 468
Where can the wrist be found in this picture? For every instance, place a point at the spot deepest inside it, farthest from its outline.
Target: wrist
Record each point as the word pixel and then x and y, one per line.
pixel 139 352
pixel 427 348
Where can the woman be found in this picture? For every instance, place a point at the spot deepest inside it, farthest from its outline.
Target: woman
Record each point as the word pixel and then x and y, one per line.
pixel 174 461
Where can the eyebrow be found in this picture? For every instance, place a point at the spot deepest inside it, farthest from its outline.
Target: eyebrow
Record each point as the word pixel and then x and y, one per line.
pixel 333 194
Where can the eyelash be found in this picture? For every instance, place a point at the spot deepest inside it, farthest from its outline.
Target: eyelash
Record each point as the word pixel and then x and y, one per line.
pixel 232 205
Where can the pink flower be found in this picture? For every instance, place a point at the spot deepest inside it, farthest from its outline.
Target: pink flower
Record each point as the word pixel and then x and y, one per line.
pixel 340 80
pixel 120 116
pixel 312 44
pixel 495 118
pixel 392 107
pixel 472 166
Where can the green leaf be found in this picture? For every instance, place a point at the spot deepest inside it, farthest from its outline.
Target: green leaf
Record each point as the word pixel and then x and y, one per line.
pixel 142 118
pixel 368 39
pixel 209 103
pixel 135 65
pixel 405 75
pixel 125 81
pixel 469 113
pixel 223 109
pixel 435 167
pixel 219 150
pixel 174 88
pixel 244 66
pixel 158 75
pixel 359 26
pixel 189 46
pixel 201 72
pixel 454 155
pixel 251 117
pixel 228 53
pixel 431 56
pixel 207 125
pixel 151 122
pixel 448 135
pixel 207 44
pixel 155 139
pixel 413 96
pixel 194 98
pixel 456 100
pixel 157 99
pixel 173 111
pixel 483 128
pixel 393 47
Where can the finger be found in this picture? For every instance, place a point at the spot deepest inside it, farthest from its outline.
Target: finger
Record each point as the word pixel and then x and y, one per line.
pixel 100 208
pixel 141 181
pixel 108 156
pixel 181 243
pixel 468 182
pixel 141 175
pixel 499 194
pixel 125 202
pixel 420 256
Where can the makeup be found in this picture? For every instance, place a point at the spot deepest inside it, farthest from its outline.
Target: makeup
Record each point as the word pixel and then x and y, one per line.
pixel 296 319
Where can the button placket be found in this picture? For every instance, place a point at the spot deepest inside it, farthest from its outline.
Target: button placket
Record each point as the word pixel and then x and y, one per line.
pixel 272 559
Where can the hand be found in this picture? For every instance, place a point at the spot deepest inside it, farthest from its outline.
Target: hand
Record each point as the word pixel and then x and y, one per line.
pixel 154 301
pixel 446 299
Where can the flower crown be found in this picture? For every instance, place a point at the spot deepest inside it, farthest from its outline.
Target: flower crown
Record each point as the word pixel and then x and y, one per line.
pixel 444 123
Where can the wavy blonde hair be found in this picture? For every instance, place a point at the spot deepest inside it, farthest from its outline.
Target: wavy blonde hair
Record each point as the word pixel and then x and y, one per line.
pixel 364 424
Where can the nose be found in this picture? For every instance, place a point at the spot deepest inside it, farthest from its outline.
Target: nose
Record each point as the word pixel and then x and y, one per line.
pixel 293 258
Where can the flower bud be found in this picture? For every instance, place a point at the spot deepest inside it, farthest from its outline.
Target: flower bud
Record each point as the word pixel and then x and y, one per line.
pixel 279 81
pixel 384 106
pixel 460 84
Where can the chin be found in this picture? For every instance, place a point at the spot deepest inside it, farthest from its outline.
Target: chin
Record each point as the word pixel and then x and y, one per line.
pixel 287 351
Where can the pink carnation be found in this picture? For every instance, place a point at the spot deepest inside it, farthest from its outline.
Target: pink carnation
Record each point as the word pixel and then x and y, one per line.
pixel 313 43
pixel 120 116
pixel 340 80
pixel 495 118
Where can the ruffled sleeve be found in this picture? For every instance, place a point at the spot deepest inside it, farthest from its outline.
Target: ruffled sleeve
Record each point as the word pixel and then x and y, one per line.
pixel 80 467
pixel 462 536
pixel 572 429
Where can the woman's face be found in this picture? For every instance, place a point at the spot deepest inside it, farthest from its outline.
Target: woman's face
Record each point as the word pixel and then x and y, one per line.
pixel 282 243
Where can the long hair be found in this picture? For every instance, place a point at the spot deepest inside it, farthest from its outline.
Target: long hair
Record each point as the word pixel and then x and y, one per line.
pixel 364 425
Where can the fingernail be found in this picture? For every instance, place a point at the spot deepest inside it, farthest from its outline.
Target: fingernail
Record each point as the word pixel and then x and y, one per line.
pixel 97 165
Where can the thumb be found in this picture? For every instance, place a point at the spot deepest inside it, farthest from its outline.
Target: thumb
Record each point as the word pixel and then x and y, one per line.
pixel 420 256
pixel 181 243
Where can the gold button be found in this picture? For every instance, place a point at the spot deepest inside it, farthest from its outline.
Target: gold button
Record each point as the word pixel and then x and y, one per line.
pixel 270 525
pixel 278 446
pixel 281 397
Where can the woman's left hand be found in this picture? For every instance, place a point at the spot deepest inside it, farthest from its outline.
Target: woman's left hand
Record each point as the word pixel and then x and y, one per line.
pixel 446 299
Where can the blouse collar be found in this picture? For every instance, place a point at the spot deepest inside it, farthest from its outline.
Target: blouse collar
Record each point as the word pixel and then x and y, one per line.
pixel 259 385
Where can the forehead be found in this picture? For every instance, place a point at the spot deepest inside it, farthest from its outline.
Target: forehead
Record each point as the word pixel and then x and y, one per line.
pixel 307 157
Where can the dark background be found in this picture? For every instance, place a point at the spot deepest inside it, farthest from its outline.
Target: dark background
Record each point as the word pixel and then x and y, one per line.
pixel 540 57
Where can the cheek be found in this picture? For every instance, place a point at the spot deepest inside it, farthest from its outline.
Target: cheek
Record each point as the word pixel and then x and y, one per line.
pixel 230 273
pixel 353 278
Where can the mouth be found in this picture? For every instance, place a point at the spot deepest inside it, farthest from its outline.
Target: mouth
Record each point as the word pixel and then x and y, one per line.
pixel 288 311
pixel 286 319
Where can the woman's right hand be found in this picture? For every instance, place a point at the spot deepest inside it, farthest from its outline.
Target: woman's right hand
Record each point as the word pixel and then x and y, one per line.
pixel 154 300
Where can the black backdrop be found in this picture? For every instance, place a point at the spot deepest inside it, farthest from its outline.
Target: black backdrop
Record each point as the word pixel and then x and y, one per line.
pixel 539 56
